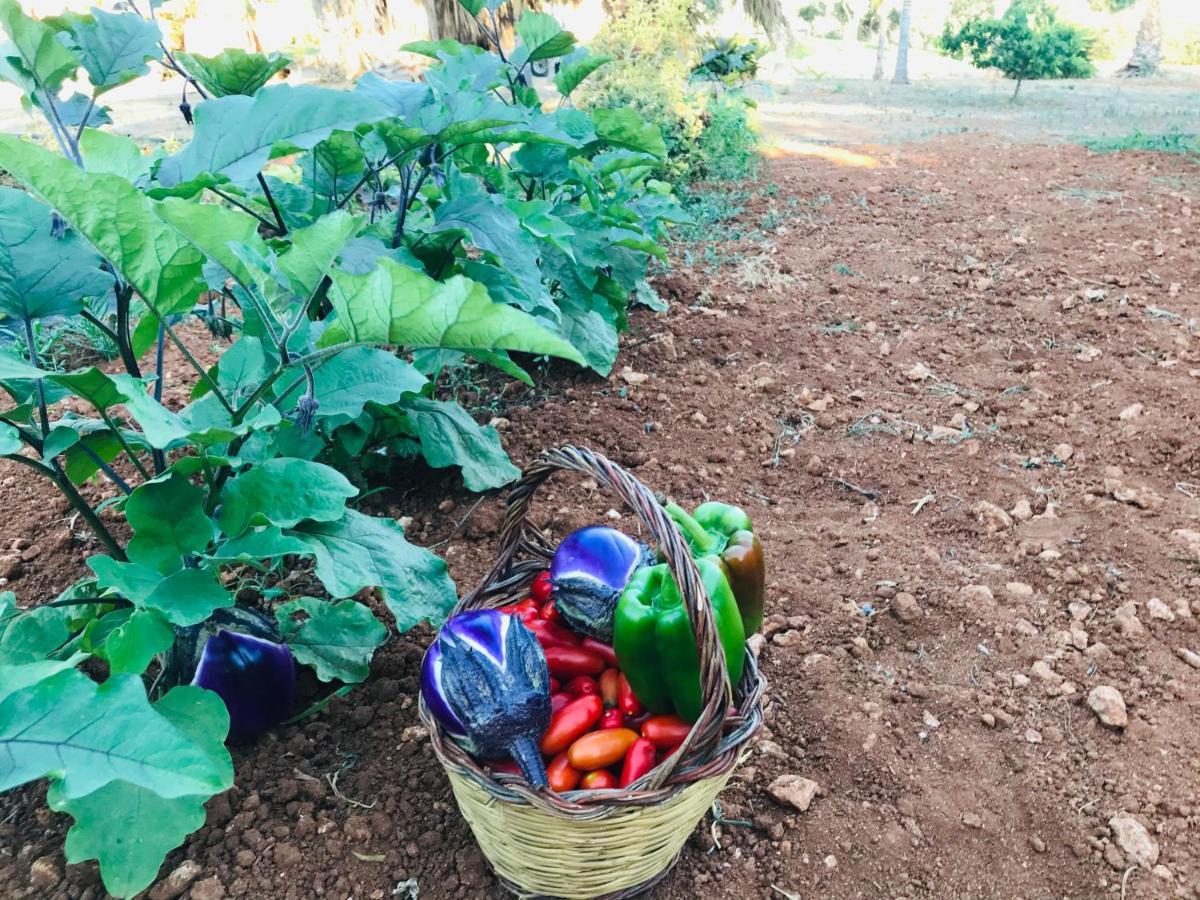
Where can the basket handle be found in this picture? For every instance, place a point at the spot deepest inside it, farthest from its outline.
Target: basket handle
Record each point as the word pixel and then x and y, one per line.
pixel 517 534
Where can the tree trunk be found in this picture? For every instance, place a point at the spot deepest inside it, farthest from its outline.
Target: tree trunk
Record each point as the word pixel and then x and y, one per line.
pixel 1147 52
pixel 901 76
pixel 881 46
pixel 1013 98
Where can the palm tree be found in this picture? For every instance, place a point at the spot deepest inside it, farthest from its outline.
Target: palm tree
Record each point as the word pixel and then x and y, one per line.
pixel 1147 51
pixel 881 46
pixel 901 76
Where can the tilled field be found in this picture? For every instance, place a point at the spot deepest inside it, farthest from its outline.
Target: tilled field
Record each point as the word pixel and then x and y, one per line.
pixel 956 385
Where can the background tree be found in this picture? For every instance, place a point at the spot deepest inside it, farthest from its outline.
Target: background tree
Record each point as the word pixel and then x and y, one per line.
pixel 1027 42
pixel 1147 50
pixel 901 76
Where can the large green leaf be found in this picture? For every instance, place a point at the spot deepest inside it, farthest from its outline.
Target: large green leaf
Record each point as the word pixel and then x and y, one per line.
pixel 493 227
pixel 114 47
pixel 336 639
pixel 37 58
pixel 576 68
pixel 626 128
pixel 168 521
pixel 41 275
pixel 450 437
pixel 87 735
pixel 315 249
pixel 116 219
pixel 233 71
pixel 160 426
pixel 263 543
pixel 356 377
pixel 360 551
pixel 284 492
pixel 590 324
pixel 128 638
pixel 18 676
pixel 397 305
pixel 186 597
pixel 214 231
pixel 104 152
pixel 543 37
pixel 235 136
pixel 130 829
pixel 35 633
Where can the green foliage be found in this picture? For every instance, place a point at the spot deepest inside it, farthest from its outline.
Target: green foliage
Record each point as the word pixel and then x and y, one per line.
pixel 1163 142
pixel 402 228
pixel 728 60
pixel 1027 42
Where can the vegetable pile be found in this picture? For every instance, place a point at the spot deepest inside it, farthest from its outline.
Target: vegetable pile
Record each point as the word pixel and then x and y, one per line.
pixel 594 678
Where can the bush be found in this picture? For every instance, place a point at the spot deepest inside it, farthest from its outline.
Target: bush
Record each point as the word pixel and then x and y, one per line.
pixel 1027 42
pixel 729 61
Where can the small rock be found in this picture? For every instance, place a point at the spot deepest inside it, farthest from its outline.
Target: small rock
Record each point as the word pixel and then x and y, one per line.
pixel 978 595
pixel 1190 657
pixel 1109 706
pixel 208 889
pixel 1159 610
pixel 830 861
pixel 631 377
pixel 287 855
pixel 1163 872
pixel 972 820
pixel 756 644
pixel 1018 589
pixel 992 516
pixel 1033 736
pixel 988 719
pixel 790 638
pixel 905 608
pixel 815 466
pixel 44 874
pixel 919 372
pixel 1063 452
pixel 795 791
pixel 1133 838
pixel 1037 844
pixel 1022 511
pixel 1042 672
pixel 1020 680
pixel 10 566
pixel 1132 411
pixel 1127 620
pixel 180 880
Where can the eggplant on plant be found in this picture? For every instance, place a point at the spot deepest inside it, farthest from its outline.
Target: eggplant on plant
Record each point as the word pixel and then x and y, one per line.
pixel 486 681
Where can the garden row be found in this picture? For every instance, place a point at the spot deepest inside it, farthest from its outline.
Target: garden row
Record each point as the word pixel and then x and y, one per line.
pixel 349 247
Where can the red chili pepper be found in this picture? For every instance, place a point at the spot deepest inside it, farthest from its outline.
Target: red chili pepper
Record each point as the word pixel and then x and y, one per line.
pixel 601 649
pixel 555 685
pixel 638 761
pixel 612 718
pixel 567 662
pixel 569 723
pixel 527 611
pixel 601 749
pixel 558 701
pixel 551 614
pixel 629 703
pixel 551 635
pixel 502 766
pixel 638 722
pixel 667 732
pixel 561 775
pixel 600 780
pixel 610 687
pixel 582 686
pixel 542 587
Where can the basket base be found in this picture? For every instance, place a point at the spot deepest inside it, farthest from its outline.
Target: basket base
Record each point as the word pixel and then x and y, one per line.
pixel 619 853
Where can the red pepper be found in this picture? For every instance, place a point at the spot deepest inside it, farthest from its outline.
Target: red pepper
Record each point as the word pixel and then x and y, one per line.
pixel 638 761
pixel 551 614
pixel 667 732
pixel 569 723
pixel 558 701
pixel 600 780
pixel 601 649
pixel 542 587
pixel 628 703
pixel 561 775
pixel 610 687
pixel 612 718
pixel 567 662
pixel 502 766
pixel 551 635
pixel 582 686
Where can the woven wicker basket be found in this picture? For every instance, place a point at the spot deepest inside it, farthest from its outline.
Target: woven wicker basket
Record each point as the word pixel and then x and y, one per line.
pixel 609 843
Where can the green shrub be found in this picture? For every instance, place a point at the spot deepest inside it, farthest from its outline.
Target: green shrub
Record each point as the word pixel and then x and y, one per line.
pixel 1027 42
pixel 729 61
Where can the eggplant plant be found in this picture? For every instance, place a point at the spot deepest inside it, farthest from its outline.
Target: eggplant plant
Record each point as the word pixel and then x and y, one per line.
pixel 345 249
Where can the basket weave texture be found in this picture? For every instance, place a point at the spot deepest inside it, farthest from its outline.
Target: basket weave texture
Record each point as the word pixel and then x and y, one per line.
pixel 608 843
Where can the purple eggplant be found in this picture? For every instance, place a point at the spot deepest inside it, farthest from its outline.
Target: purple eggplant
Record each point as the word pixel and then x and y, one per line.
pixel 239 655
pixel 486 682
pixel 589 570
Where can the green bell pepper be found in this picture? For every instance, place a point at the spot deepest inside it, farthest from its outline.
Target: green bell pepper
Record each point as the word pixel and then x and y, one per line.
pixel 653 638
pixel 725 533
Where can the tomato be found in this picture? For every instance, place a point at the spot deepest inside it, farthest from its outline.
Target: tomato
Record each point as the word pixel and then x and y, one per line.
pixel 612 718
pixel 558 701
pixel 582 686
pixel 610 686
pixel 667 732
pixel 567 662
pixel 551 614
pixel 551 635
pixel 555 685
pixel 601 749
pixel 601 649
pixel 629 703
pixel 561 775
pixel 638 761
pixel 570 722
pixel 600 780
pixel 542 587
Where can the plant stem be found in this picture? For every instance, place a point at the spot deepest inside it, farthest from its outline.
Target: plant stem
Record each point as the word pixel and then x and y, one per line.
pixel 124 344
pixel 125 445
pixel 244 208
pixel 40 388
pixel 279 225
pixel 407 202
pixel 159 457
pixel 83 122
pixel 195 364
pixel 99 323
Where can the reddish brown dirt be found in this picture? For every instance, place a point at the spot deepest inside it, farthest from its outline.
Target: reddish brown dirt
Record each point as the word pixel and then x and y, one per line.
pixel 928 331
